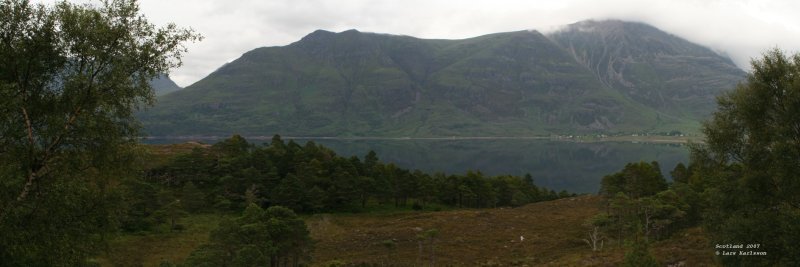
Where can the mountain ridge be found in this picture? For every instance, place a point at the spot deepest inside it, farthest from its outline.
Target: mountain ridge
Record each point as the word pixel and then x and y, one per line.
pixel 163 85
pixel 674 52
pixel 518 83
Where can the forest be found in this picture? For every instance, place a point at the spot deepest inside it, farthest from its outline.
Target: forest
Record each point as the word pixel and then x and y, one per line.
pixel 285 177
pixel 311 178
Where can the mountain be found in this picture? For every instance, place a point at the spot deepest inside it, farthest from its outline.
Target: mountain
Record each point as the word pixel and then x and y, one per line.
pixel 651 67
pixel 163 85
pixel 590 77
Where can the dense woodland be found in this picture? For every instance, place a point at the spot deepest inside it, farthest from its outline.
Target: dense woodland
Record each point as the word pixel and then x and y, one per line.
pixel 311 178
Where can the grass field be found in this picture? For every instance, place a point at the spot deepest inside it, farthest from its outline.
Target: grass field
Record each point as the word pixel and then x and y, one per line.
pixel 151 249
pixel 553 233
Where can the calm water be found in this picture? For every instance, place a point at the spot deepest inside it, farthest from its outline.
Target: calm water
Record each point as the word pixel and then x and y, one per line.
pixel 576 167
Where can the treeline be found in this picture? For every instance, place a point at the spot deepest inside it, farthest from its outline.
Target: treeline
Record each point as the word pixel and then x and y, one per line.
pixel 312 178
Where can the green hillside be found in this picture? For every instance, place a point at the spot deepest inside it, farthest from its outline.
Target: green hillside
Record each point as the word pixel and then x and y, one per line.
pixel 618 77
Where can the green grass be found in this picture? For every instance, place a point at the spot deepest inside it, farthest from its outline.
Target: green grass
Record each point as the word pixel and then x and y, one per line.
pixel 151 248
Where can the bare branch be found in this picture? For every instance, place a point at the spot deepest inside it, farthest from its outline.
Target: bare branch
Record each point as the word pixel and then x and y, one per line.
pixel 28 126
pixel 26 189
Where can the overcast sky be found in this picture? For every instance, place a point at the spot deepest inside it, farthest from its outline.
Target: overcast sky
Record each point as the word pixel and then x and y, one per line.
pixel 742 29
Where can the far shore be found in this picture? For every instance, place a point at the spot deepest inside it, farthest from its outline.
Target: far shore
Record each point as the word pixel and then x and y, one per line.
pixel 565 138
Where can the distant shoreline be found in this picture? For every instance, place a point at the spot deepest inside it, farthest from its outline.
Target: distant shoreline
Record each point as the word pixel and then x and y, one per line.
pixel 565 138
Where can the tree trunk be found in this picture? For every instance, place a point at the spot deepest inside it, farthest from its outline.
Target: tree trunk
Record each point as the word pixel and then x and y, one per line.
pixel 647 225
pixel 594 236
pixel 419 255
pixel 433 253
pixel 363 201
pixel 619 233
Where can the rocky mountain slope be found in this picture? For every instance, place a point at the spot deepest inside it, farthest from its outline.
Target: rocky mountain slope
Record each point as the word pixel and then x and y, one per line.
pixel 164 85
pixel 590 77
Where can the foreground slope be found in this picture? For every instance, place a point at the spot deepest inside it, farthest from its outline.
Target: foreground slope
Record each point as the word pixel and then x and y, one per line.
pixel 552 235
pixel 505 84
pixel 552 231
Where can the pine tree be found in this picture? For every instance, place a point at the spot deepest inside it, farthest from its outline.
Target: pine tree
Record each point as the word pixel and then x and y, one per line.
pixel 192 198
pixel 638 255
pixel 272 237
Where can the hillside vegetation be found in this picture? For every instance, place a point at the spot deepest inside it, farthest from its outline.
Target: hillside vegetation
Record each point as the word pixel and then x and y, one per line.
pixel 548 233
pixel 385 231
pixel 553 233
pixel 193 179
pixel 591 77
